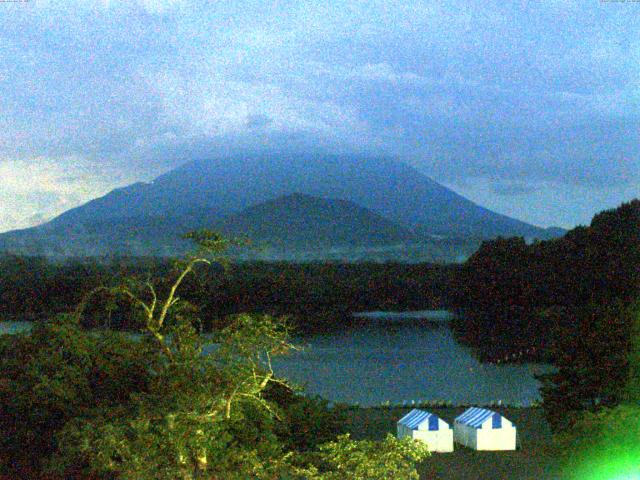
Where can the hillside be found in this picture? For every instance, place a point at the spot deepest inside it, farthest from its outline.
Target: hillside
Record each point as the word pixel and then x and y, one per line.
pixel 306 221
pixel 517 296
pixel 291 222
pixel 383 201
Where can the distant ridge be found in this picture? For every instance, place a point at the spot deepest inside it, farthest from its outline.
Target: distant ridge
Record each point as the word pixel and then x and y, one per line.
pixel 378 199
pixel 305 221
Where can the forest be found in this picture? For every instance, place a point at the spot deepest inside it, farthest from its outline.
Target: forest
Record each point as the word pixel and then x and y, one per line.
pixel 316 295
pixel 79 403
pixel 573 302
pixel 96 403
pixel 517 297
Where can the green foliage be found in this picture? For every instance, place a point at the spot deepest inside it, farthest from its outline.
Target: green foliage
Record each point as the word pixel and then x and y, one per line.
pixel 507 285
pixel 170 404
pixel 120 408
pixel 208 241
pixel 311 422
pixel 368 460
pixel 306 421
pixel 318 296
pixel 57 373
pixel 632 393
pixel 566 301
pixel 591 363
pixel 201 413
pixel 493 290
pixel 604 444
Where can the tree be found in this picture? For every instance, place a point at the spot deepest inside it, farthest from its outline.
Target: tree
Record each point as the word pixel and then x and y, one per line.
pixel 202 414
pixel 606 443
pixel 632 390
pixel 368 460
pixel 154 310
pixel 506 284
pixel 57 373
pixel 590 354
pixel 196 404
pixel 170 403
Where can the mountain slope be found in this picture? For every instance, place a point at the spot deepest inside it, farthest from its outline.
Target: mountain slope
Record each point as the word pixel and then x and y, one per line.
pixel 377 199
pixel 227 185
pixel 289 222
pixel 305 221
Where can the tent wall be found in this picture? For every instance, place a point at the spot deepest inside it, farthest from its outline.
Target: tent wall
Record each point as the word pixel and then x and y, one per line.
pixel 437 441
pixel 465 435
pixel 497 439
pixel 428 428
pixel 404 431
pixel 485 438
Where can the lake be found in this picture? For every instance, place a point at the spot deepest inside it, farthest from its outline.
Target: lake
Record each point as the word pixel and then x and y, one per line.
pixel 404 356
pixel 397 357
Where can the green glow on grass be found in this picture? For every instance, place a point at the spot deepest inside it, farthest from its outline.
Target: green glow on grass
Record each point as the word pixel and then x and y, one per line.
pixel 625 466
pixel 604 445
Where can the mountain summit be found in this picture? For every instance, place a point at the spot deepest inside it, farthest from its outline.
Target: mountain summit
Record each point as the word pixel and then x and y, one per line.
pixel 396 198
pixel 303 221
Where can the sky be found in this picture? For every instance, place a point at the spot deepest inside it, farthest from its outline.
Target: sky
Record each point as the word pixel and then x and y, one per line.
pixel 530 108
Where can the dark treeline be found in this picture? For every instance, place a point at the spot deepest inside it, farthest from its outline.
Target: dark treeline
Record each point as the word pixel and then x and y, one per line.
pixel 315 295
pixel 521 301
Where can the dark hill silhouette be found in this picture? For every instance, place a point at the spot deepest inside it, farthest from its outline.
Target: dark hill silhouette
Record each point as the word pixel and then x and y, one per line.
pixel 305 221
pixel 204 193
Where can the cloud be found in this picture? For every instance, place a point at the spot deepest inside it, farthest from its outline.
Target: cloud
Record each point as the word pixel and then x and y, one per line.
pixel 511 189
pixel 258 122
pixel 37 189
pixel 511 93
pixel 151 7
pixel 208 103
pixel 159 7
pixel 550 201
pixel 372 72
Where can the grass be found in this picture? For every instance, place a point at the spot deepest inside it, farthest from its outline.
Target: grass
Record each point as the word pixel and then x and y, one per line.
pixel 533 460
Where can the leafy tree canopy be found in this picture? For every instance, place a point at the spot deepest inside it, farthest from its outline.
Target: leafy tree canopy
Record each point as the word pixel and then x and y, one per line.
pixel 171 403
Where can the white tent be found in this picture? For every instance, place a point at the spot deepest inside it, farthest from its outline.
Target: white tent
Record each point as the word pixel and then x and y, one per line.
pixel 429 428
pixel 483 429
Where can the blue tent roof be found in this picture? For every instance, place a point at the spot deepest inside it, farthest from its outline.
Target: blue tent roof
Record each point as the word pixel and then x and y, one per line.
pixel 475 417
pixel 416 417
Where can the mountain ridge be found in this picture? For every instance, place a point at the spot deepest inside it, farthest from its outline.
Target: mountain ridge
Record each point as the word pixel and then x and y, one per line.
pixel 304 220
pixel 206 192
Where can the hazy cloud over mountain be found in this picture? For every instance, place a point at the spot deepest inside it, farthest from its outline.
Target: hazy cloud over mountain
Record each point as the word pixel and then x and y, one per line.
pixel 35 190
pixel 530 108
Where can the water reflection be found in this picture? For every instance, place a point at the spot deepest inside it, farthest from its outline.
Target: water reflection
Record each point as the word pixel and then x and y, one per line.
pixel 396 358
pixel 408 358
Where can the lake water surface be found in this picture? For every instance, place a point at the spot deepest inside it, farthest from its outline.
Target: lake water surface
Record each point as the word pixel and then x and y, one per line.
pixel 397 357
pixel 400 357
